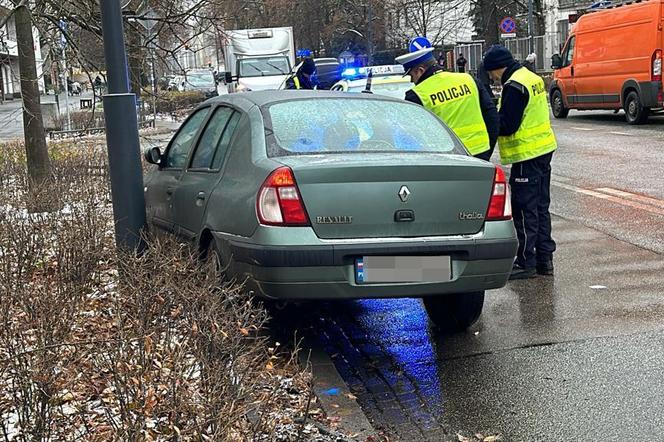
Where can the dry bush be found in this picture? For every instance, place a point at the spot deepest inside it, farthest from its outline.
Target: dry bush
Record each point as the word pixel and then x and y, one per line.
pixel 81 120
pixel 105 347
pixel 170 102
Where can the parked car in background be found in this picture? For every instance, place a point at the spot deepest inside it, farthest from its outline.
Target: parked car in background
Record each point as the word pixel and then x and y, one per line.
pixel 386 80
pixel 198 80
pixel 612 60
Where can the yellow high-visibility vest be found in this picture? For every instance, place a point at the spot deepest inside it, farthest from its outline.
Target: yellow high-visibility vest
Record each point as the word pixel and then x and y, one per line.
pixel 455 99
pixel 535 136
pixel 296 82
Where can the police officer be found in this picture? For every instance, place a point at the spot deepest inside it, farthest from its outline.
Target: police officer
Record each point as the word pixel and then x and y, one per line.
pixel 305 77
pixel 526 142
pixel 457 99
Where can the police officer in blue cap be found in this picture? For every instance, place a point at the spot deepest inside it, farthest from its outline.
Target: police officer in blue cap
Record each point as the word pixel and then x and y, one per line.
pixel 456 98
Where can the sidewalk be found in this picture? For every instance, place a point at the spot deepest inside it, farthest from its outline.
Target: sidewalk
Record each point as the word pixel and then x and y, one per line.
pixel 11 113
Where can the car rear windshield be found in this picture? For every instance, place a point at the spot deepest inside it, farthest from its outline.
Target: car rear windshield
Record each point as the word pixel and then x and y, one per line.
pixel 346 125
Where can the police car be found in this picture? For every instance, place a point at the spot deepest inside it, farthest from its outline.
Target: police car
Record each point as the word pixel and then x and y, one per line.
pixel 385 80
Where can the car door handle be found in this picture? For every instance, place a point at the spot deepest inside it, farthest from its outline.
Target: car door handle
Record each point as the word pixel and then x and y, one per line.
pixel 201 196
pixel 170 190
pixel 572 70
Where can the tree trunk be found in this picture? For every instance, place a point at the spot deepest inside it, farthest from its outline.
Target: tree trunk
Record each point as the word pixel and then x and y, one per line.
pixel 39 164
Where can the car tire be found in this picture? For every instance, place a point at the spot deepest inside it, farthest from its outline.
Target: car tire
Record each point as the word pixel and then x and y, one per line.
pixel 454 313
pixel 635 113
pixel 558 105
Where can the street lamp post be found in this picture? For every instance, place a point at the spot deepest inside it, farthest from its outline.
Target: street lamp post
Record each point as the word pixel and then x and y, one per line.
pixel 531 27
pixel 122 134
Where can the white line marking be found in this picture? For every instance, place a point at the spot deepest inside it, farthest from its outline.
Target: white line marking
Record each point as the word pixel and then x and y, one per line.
pixel 582 128
pixel 611 198
pixel 621 133
pixel 632 196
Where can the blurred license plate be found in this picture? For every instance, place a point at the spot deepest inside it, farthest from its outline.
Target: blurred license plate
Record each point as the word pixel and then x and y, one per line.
pixel 394 269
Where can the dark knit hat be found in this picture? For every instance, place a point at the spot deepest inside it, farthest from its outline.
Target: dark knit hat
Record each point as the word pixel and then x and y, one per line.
pixel 308 66
pixel 497 57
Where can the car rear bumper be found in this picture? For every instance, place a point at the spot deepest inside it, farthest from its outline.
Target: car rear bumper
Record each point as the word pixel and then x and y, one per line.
pixel 311 268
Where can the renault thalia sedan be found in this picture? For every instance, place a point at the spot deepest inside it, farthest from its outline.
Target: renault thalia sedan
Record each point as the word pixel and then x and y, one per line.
pixel 312 195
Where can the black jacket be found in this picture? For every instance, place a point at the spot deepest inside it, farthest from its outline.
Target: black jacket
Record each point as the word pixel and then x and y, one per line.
pixel 513 102
pixel 305 83
pixel 488 107
pixel 484 79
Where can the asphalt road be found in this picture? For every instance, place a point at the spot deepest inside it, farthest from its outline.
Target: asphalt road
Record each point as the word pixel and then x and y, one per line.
pixel 575 357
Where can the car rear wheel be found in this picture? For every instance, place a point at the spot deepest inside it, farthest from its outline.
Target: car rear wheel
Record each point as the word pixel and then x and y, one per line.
pixel 454 313
pixel 558 105
pixel 635 113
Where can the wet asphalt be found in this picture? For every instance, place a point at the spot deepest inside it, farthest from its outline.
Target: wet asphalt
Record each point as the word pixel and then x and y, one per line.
pixel 574 357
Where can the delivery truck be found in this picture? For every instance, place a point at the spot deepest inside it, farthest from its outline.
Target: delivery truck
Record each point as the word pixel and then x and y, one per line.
pixel 612 60
pixel 258 59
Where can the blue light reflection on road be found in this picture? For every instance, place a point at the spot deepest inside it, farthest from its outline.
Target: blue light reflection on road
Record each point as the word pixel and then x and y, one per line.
pixel 401 327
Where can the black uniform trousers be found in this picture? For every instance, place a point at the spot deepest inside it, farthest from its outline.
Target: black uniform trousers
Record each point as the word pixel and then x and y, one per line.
pixel 530 183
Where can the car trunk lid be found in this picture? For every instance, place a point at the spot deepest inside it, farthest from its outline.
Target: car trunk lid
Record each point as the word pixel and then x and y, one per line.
pixel 392 195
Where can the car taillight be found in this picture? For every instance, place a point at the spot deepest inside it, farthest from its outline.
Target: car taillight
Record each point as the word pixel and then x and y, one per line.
pixel 279 202
pixel 657 65
pixel 500 206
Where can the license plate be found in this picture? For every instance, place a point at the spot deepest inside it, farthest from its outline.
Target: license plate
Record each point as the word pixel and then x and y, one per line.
pixel 402 269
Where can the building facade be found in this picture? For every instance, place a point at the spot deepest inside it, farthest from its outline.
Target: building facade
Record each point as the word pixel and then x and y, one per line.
pixel 10 83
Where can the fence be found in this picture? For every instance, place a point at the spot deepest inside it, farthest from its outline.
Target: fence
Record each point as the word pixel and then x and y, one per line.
pixel 544 47
pixel 472 52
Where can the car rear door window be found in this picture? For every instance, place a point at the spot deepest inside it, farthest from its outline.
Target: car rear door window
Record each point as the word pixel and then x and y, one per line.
pixel 225 141
pixel 178 152
pixel 356 125
pixel 210 138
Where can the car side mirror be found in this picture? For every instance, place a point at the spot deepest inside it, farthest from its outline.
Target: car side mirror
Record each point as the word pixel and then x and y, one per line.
pixel 228 77
pixel 152 155
pixel 556 61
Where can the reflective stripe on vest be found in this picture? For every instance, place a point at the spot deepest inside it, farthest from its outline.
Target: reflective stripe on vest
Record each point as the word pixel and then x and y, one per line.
pixel 454 98
pixel 296 82
pixel 535 136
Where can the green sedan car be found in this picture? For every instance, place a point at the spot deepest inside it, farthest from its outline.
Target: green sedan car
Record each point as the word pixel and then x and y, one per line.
pixel 313 195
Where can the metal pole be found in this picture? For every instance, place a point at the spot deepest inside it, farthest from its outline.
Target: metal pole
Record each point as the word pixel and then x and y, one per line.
pixel 531 27
pixel 122 134
pixel 64 65
pixel 370 35
pixel 155 89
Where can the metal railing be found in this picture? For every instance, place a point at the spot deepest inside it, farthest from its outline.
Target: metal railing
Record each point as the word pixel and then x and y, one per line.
pixel 571 4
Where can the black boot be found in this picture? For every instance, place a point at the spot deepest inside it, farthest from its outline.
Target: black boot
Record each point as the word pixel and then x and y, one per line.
pixel 545 268
pixel 519 272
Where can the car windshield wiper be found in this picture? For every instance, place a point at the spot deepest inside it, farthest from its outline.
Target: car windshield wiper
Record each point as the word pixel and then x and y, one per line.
pixel 276 67
pixel 256 69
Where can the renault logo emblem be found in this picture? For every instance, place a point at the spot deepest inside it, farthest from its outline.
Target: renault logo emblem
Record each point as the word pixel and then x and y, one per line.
pixel 404 193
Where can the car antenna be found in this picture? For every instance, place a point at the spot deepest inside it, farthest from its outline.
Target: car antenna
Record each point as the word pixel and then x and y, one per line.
pixel 367 88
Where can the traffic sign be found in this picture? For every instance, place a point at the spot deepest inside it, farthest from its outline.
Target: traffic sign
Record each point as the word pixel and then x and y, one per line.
pixel 508 25
pixel 419 43
pixel 63 29
pixel 508 35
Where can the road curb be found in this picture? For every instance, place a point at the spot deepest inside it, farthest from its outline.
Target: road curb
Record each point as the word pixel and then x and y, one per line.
pixel 334 396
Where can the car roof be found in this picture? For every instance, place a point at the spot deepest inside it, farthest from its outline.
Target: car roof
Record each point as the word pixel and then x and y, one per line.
pixel 262 98
pixel 385 79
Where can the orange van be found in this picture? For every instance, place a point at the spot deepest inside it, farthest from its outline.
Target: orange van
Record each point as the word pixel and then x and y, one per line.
pixel 612 60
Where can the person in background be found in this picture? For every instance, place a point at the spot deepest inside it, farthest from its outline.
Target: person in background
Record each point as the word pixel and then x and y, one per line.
pixel 442 60
pixel 305 77
pixel 456 98
pixel 527 142
pixel 530 62
pixel 461 63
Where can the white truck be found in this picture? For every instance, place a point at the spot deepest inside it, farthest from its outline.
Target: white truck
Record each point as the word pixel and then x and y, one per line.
pixel 258 59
